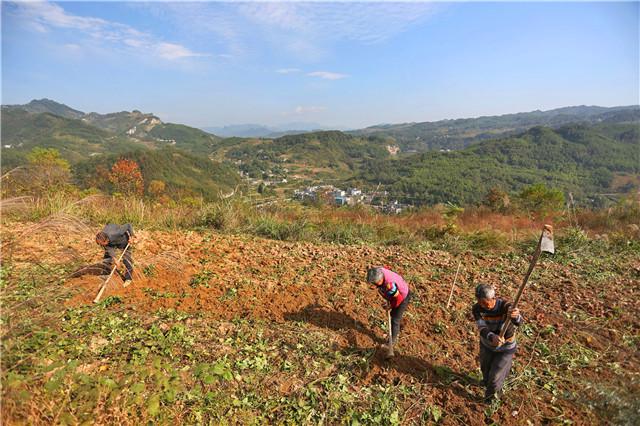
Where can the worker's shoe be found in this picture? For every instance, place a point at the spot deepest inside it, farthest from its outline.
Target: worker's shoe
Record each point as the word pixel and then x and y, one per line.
pixel 126 283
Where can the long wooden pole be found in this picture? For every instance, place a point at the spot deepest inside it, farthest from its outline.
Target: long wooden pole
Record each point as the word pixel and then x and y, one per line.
pixel 533 263
pixel 454 284
pixel 390 348
pixel 104 286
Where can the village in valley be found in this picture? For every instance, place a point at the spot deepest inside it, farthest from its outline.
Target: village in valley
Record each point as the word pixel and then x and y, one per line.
pixel 329 194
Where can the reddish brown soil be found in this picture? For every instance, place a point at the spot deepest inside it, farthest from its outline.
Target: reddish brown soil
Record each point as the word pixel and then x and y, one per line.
pixel 322 285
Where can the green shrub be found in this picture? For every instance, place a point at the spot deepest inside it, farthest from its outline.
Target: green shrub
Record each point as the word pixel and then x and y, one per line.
pixel 270 227
pixel 346 233
pixel 573 238
pixel 488 240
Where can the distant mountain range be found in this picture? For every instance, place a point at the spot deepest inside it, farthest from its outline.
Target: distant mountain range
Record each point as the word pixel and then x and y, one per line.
pixel 459 133
pixel 585 150
pixel 47 105
pixel 135 125
pixel 262 131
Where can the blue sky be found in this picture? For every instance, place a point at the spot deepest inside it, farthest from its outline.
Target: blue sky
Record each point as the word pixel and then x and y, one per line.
pixel 339 64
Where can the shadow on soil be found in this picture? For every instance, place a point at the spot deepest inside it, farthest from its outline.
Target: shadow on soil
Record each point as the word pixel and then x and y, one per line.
pixel 333 320
pixel 421 370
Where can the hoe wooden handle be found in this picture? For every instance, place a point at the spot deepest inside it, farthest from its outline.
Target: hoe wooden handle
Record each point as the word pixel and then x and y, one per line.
pixel 104 286
pixel 534 261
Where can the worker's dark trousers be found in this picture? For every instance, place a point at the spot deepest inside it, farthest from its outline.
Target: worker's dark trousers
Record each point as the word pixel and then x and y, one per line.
pixel 495 368
pixel 396 317
pixel 110 257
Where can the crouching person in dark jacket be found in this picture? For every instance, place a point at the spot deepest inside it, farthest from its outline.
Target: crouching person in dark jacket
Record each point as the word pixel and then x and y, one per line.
pixel 496 353
pixel 114 237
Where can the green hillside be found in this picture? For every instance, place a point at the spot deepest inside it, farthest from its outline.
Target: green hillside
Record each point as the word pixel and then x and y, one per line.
pixel 121 122
pixel 134 125
pixel 184 174
pixel 74 139
pixel 86 147
pixel 47 105
pixel 459 133
pixel 328 155
pixel 185 137
pixel 578 158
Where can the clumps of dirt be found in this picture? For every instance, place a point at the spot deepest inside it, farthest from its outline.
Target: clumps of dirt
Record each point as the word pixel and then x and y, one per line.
pixel 322 286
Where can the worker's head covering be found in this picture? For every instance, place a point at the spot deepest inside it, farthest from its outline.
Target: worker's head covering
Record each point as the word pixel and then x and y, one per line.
pixel 374 275
pixel 485 291
pixel 102 238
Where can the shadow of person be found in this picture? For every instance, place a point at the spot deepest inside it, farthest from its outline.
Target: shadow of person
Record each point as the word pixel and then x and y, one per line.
pixel 94 269
pixel 377 366
pixel 101 268
pixel 380 368
pixel 333 320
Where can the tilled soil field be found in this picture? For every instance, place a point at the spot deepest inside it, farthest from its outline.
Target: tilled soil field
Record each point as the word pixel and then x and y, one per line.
pixel 577 360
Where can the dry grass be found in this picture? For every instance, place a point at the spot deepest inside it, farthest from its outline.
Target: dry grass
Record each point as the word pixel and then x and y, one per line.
pixel 16 204
pixel 70 213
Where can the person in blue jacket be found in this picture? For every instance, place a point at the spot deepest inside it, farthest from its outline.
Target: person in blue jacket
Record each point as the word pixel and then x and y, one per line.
pixel 496 353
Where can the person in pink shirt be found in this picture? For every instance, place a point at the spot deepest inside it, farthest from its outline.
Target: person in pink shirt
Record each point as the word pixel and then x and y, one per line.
pixel 395 290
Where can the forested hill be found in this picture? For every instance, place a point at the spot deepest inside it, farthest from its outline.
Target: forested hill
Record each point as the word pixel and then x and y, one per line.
pixel 182 174
pixel 581 159
pixel 459 133
pixel 134 125
pixel 326 154
pixel 75 139
pixel 47 105
pixel 92 151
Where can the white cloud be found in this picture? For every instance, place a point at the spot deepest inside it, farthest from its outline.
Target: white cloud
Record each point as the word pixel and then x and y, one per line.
pixel 308 109
pixel 44 16
pixel 307 30
pixel 327 75
pixel 173 51
pixel 288 70
pixel 367 22
pixel 302 110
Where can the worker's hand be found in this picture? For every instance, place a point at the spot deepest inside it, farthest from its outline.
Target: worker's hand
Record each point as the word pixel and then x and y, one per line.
pixel 386 305
pixel 496 340
pixel 514 313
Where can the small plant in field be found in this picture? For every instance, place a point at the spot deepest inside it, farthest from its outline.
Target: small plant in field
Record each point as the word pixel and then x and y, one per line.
pixel 440 327
pixel 229 294
pixel 154 294
pixel 433 413
pixel 149 270
pixel 201 279
pixel 111 300
pixel 209 373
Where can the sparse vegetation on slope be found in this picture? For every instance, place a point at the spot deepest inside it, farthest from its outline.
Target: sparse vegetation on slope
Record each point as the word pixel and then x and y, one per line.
pixel 231 328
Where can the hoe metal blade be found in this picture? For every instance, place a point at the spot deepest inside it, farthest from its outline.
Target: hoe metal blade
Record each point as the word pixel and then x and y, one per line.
pixel 546 242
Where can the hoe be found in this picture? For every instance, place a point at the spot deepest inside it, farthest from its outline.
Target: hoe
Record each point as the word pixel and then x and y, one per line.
pixel 388 348
pixel 104 286
pixel 545 243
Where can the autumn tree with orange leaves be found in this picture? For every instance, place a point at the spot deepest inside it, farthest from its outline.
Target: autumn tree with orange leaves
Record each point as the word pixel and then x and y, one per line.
pixel 126 177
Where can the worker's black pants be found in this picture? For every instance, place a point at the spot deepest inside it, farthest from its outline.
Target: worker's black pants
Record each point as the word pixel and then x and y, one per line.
pixel 110 257
pixel 495 368
pixel 396 317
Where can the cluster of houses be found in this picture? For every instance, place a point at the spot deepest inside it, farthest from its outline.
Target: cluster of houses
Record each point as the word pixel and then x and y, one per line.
pixel 350 197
